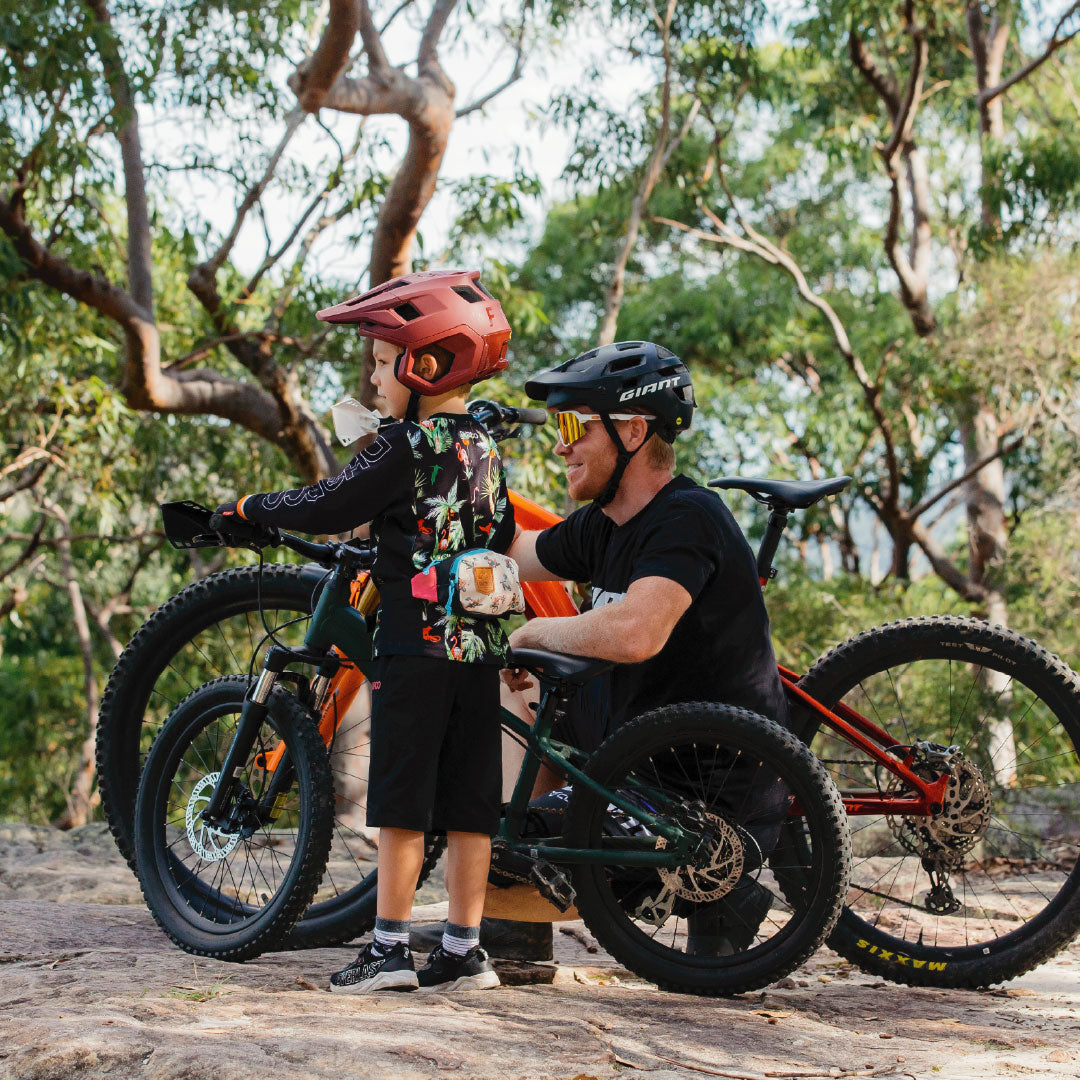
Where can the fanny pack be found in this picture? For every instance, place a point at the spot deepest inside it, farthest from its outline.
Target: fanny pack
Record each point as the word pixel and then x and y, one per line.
pixel 478 583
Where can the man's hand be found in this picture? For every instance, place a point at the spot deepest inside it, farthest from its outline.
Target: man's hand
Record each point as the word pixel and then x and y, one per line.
pixel 517 679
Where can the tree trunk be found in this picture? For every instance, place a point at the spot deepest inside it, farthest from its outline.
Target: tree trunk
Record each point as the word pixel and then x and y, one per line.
pixel 82 797
pixel 987 539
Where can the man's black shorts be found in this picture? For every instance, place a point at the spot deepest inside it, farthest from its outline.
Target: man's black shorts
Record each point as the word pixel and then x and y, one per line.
pixel 436 761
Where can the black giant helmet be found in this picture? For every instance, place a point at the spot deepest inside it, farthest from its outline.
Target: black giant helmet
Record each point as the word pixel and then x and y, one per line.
pixel 622 376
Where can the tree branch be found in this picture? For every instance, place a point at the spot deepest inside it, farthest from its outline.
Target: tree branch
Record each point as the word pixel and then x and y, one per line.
pixel 1002 451
pixel 427 57
pixel 764 249
pixel 653 168
pixel 912 270
pixel 33 469
pixel 884 85
pixel 987 94
pixel 139 258
pixel 79 800
pixel 392 94
pixel 515 74
pixel 948 571
pixel 33 542
pixel 313 78
pixel 373 46
pixel 254 193
pixel 905 115
pixel 332 182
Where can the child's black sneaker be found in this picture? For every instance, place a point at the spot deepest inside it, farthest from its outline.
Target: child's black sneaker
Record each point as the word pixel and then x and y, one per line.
pixel 375 970
pixel 447 971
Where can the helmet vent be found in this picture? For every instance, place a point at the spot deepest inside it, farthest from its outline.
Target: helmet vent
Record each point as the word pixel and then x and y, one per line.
pixel 622 346
pixel 363 298
pixel 623 363
pixel 408 311
pixel 479 285
pixel 467 294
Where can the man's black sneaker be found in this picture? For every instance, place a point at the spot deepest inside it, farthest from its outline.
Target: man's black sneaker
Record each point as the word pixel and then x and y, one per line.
pixel 729 925
pixel 447 971
pixel 374 970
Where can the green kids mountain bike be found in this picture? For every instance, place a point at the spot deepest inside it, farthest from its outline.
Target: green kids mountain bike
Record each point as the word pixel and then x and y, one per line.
pixel 704 846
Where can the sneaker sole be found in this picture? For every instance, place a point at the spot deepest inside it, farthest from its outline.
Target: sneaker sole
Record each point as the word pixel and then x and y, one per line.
pixel 486 980
pixel 387 980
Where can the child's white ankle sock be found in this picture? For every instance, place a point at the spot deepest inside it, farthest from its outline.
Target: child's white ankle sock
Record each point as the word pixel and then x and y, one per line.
pixel 459 939
pixel 391 932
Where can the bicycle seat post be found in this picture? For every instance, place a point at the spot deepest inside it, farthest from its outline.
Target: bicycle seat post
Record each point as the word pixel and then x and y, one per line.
pixel 774 530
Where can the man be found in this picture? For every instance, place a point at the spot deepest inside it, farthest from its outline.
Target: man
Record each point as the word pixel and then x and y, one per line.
pixel 676 599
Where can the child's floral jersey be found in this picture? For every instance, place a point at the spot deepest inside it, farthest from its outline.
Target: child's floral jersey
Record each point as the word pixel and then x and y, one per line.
pixel 431 490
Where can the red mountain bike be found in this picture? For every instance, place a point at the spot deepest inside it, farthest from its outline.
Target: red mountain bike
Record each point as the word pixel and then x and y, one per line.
pixel 954 744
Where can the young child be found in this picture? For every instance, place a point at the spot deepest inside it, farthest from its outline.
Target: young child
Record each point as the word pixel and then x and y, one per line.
pixel 432 486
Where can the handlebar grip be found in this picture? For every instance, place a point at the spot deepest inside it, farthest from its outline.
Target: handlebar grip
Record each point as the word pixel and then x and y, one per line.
pixel 531 416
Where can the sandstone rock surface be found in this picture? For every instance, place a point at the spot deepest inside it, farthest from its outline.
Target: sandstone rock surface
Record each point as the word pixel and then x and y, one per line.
pixel 90 988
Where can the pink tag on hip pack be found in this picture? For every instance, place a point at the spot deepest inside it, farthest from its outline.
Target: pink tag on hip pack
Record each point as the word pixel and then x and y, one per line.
pixel 424 585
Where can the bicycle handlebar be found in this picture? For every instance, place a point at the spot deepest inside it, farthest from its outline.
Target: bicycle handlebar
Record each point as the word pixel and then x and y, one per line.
pixel 504 421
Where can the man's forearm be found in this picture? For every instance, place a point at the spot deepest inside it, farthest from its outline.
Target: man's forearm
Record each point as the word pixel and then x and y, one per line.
pixel 600 633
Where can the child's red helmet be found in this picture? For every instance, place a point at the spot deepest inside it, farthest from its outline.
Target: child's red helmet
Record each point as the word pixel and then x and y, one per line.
pixel 449 309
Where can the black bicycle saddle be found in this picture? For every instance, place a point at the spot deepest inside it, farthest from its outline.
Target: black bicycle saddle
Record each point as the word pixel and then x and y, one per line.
pixel 784 495
pixel 558 667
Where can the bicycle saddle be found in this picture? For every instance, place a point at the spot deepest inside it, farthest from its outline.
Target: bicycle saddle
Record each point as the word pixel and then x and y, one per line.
pixel 558 667
pixel 784 495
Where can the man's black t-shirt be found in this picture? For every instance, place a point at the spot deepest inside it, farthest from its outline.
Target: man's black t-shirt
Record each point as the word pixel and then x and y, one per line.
pixel 720 650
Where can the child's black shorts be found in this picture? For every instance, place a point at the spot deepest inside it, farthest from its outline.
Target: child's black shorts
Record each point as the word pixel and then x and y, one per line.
pixel 436 757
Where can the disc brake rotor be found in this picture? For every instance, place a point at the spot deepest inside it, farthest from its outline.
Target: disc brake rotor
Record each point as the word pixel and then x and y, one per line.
pixel 965 815
pixel 714 876
pixel 210 844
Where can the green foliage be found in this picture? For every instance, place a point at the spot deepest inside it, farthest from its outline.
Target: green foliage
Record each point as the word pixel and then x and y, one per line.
pixel 42 731
pixel 1036 181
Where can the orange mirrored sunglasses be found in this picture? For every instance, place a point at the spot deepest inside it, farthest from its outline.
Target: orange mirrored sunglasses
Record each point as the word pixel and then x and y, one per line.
pixel 572 423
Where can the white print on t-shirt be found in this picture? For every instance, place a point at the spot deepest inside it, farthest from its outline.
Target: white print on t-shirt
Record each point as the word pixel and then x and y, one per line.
pixel 600 597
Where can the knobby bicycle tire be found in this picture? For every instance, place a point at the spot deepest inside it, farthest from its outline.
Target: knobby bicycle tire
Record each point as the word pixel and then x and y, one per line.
pixel 185 626
pixel 803 901
pixel 956 681
pixel 259 875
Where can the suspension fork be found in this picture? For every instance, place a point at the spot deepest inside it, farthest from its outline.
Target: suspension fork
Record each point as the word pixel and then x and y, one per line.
pixel 251 717
pixel 332 693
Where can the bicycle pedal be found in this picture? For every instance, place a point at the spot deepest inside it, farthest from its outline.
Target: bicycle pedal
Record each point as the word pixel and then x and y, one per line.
pixel 553 884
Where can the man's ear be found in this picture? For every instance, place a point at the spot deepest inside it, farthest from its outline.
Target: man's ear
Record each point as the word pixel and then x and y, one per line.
pixel 639 431
pixel 426 366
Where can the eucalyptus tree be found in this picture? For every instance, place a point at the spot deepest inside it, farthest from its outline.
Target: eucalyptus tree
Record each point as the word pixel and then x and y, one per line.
pixel 238 86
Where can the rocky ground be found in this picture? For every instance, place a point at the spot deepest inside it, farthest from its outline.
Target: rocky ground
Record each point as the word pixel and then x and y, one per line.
pixel 90 988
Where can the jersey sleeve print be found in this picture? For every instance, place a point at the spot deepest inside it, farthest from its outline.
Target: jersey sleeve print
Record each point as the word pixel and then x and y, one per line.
pixel 364 488
pixel 684 547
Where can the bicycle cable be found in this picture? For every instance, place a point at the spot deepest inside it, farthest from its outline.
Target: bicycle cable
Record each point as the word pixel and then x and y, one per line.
pixel 270 634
